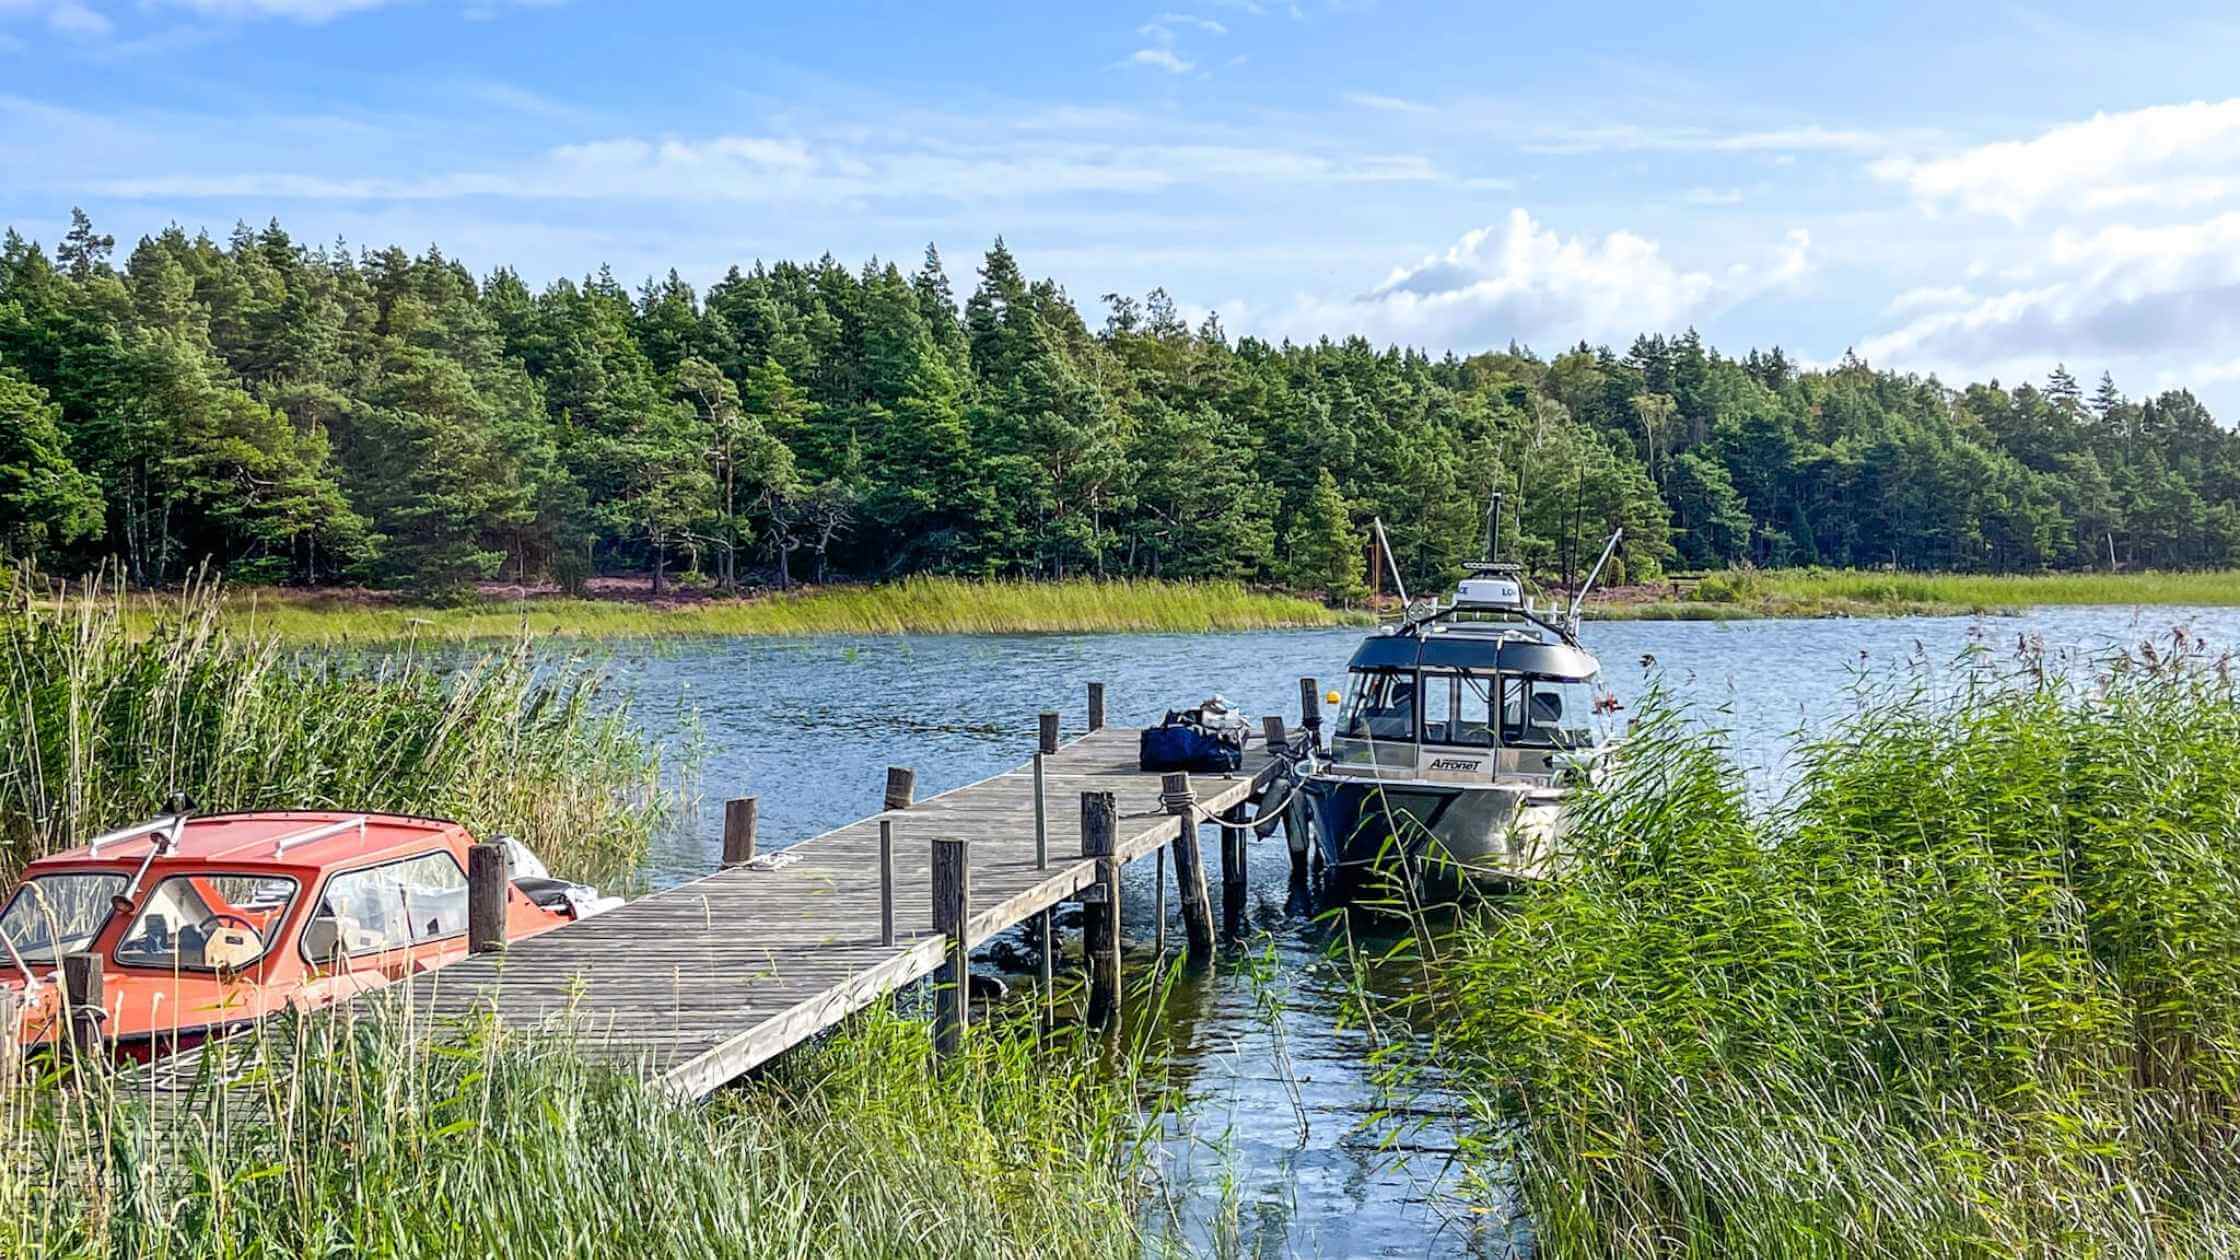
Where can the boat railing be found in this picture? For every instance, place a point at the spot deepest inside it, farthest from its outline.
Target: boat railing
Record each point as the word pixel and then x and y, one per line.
pixel 133 832
pixel 321 832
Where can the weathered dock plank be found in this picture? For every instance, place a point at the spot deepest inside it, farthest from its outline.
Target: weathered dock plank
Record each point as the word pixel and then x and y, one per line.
pixel 700 983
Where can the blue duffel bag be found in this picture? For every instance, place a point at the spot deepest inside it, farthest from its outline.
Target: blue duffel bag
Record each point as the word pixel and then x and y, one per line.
pixel 1185 742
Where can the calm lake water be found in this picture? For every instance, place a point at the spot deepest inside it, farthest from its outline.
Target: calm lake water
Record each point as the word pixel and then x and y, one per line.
pixel 1279 1149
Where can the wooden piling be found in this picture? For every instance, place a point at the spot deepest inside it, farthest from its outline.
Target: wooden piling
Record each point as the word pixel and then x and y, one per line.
pixel 738 830
pixel 1096 706
pixel 86 1002
pixel 1310 709
pixel 902 787
pixel 1272 730
pixel 1189 868
pixel 1233 858
pixel 488 874
pixel 1159 903
pixel 1046 746
pixel 952 894
pixel 886 881
pixel 1100 905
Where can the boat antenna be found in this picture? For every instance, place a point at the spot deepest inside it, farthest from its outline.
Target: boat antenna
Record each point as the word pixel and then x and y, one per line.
pixel 1376 524
pixel 1493 528
pixel 1579 600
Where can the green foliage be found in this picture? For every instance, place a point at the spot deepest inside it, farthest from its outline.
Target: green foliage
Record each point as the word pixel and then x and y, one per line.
pixel 1324 546
pixel 486 1144
pixel 295 414
pixel 1971 988
pixel 107 724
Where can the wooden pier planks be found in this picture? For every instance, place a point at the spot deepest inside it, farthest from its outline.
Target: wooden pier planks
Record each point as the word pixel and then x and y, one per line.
pixel 700 983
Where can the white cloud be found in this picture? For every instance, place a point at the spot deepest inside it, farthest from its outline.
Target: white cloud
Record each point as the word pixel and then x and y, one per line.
pixel 66 17
pixel 2115 294
pixel 1627 137
pixel 1520 279
pixel 1162 58
pixel 1208 25
pixel 1389 104
pixel 1712 196
pixel 297 10
pixel 2106 161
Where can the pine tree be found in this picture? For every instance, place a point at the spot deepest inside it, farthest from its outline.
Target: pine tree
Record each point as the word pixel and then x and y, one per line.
pixel 44 499
pixel 1325 549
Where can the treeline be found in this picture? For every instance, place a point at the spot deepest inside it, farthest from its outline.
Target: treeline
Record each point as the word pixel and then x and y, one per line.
pixel 307 415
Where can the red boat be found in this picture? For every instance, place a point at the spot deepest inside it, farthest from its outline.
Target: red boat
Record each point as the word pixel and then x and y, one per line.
pixel 205 924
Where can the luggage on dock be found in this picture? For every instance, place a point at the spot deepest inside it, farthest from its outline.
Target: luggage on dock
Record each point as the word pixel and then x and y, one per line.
pixel 1209 738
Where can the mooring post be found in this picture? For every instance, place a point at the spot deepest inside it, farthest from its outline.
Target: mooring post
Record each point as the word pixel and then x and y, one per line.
pixel 952 892
pixel 1100 905
pixel 1272 730
pixel 886 881
pixel 1096 706
pixel 1189 866
pixel 488 873
pixel 902 787
pixel 1233 858
pixel 1310 710
pixel 738 830
pixel 85 1002
pixel 1046 744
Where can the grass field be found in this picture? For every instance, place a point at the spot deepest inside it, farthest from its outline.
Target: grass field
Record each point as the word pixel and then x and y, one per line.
pixel 924 605
pixel 1752 593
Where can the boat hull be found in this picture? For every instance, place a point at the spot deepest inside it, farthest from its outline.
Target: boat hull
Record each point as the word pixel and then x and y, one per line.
pixel 1482 834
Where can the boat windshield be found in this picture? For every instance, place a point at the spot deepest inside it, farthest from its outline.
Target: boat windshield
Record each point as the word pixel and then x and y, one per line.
pixel 200 922
pixel 1541 712
pixel 53 915
pixel 1381 705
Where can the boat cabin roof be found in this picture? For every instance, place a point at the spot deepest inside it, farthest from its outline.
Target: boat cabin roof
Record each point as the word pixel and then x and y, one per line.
pixel 250 840
pixel 1444 647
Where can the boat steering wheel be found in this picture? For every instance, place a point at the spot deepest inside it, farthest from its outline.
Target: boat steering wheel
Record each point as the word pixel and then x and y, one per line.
pixel 223 917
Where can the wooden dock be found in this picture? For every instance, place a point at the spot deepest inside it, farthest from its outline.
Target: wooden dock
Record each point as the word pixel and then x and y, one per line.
pixel 697 984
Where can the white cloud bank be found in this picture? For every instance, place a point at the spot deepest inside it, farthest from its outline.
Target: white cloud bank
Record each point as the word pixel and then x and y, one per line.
pixel 1521 279
pixel 2169 155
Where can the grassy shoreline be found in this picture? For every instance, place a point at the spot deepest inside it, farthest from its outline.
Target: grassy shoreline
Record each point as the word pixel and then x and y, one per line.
pixel 1742 595
pixel 922 605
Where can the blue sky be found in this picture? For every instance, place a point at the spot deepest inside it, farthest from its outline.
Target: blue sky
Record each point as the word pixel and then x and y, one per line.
pixel 1972 190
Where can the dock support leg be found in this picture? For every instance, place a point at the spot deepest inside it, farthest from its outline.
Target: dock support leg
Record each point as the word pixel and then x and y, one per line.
pixel 86 1003
pixel 738 830
pixel 1096 706
pixel 1159 902
pixel 902 786
pixel 1190 867
pixel 1310 710
pixel 952 893
pixel 488 873
pixel 1046 745
pixel 886 881
pixel 1100 917
pixel 1233 838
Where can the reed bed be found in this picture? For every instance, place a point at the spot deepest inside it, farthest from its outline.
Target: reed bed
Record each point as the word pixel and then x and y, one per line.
pixel 104 716
pixel 1749 593
pixel 918 605
pixel 1972 988
pixel 378 1143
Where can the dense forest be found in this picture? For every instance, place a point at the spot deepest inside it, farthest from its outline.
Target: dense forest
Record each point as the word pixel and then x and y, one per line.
pixel 312 415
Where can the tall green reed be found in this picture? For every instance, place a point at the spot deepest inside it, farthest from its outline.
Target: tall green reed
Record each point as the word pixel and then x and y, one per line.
pixel 375 1142
pixel 100 723
pixel 1971 988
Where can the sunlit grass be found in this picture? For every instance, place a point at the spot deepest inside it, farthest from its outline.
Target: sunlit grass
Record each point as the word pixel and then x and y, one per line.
pixel 375 1143
pixel 1752 593
pixel 921 605
pixel 106 716
pixel 1971 988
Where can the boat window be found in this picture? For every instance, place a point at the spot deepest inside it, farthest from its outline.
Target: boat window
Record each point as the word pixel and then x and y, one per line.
pixel 1546 712
pixel 202 922
pixel 1382 706
pixel 1458 709
pixel 392 906
pixel 52 915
